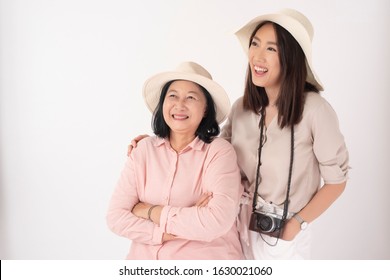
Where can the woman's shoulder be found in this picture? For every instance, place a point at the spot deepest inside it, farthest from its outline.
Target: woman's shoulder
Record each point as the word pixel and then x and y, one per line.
pixel 146 147
pixel 314 101
pixel 220 143
pixel 238 108
pixel 222 149
pixel 148 142
pixel 313 98
pixel 238 103
pixel 318 109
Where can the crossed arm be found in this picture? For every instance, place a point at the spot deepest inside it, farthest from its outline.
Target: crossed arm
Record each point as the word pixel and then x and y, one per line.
pixel 153 212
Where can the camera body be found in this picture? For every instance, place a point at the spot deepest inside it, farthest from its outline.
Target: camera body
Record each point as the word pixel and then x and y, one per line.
pixel 267 219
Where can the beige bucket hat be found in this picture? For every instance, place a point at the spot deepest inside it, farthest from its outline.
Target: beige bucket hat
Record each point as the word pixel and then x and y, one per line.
pixel 298 26
pixel 193 72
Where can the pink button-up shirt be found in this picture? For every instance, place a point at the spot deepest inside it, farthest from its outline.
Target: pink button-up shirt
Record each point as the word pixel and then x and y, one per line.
pixel 156 174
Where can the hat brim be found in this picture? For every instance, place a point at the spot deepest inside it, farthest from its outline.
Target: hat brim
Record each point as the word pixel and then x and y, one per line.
pixel 295 28
pixel 153 87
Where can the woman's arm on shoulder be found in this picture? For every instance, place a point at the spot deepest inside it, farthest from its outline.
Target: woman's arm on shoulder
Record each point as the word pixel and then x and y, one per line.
pixel 226 131
pixel 134 142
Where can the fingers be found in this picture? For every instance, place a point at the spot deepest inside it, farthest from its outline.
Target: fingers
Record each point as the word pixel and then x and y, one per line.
pixel 204 199
pixel 167 237
pixel 133 143
pixel 129 149
pixel 139 138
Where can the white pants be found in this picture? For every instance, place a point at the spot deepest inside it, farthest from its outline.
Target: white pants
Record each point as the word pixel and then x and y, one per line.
pixel 297 249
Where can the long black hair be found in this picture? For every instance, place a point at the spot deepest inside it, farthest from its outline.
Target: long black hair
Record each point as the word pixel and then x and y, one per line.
pixel 208 127
pixel 291 99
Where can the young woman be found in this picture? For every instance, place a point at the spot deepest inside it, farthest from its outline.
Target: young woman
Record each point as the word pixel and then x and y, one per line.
pixel 178 195
pixel 300 139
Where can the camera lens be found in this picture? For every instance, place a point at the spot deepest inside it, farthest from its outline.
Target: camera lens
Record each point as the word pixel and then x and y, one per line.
pixel 265 223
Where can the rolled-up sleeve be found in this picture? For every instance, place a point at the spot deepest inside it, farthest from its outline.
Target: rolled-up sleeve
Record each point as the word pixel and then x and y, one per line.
pixel 329 146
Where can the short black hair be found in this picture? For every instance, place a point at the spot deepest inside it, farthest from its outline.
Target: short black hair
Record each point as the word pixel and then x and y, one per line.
pixel 208 127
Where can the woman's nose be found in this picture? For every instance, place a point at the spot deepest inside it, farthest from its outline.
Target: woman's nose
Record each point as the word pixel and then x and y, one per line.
pixel 259 55
pixel 180 103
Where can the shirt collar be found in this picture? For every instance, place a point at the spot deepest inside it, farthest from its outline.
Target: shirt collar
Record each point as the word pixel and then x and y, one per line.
pixel 196 144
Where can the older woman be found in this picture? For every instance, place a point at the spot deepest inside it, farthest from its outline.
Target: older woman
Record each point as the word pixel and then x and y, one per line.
pixel 178 195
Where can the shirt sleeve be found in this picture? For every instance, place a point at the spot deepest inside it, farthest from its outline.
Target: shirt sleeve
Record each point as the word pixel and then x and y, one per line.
pixel 329 145
pixel 119 217
pixel 226 131
pixel 221 176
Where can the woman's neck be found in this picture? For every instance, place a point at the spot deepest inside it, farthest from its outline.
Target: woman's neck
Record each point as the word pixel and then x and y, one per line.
pixel 180 141
pixel 272 95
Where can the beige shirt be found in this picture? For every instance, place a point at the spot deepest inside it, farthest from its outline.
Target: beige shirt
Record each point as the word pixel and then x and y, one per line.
pixel 319 152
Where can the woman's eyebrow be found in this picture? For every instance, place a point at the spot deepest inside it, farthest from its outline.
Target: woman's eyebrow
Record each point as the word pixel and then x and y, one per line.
pixel 268 42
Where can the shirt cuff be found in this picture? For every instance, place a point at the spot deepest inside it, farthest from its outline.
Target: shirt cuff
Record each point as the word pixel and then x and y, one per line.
pixel 159 230
pixel 164 218
pixel 157 235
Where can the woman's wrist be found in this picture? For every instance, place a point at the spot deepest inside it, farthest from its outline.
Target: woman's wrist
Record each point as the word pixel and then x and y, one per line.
pixel 155 213
pixel 150 212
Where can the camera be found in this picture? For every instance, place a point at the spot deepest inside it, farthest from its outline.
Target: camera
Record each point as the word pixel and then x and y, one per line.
pixel 267 219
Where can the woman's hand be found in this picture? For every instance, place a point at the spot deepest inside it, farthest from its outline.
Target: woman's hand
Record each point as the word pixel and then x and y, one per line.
pixel 323 199
pixel 204 199
pixel 167 237
pixel 141 210
pixel 134 142
pixel 291 229
pixel 202 202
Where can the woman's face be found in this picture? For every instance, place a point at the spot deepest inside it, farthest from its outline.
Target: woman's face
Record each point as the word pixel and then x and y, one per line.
pixel 184 107
pixel 264 58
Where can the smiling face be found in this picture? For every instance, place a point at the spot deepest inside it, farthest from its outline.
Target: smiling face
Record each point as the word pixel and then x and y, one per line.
pixel 264 60
pixel 184 107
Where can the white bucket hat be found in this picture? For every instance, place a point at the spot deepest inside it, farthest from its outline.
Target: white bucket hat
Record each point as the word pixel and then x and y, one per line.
pixel 298 26
pixel 193 72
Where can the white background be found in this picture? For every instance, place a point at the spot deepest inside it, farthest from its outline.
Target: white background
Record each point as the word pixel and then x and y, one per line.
pixel 71 74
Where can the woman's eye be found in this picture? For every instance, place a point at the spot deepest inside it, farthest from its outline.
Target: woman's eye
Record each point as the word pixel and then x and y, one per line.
pixel 253 43
pixel 271 49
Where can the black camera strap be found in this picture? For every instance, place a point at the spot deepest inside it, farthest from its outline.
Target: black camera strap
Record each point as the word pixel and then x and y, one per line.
pixel 258 176
pixel 261 143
